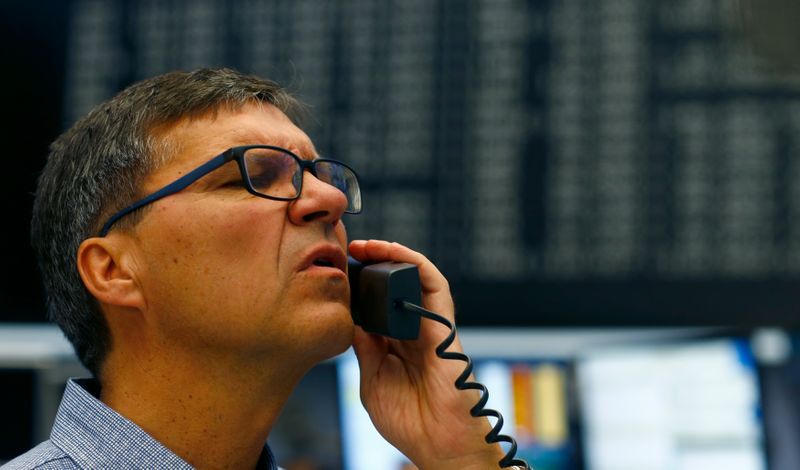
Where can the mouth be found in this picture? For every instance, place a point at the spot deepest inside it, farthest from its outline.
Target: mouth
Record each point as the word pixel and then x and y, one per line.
pixel 328 257
pixel 324 262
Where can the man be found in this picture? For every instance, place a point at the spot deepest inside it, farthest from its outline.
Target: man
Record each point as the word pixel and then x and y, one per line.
pixel 196 259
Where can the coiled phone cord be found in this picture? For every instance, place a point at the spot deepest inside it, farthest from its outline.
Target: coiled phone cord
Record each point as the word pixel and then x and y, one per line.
pixel 461 383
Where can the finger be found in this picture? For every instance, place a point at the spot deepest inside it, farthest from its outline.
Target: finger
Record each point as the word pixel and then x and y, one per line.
pixel 356 248
pixel 378 250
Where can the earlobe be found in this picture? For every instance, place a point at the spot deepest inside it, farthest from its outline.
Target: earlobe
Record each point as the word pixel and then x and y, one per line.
pixel 107 275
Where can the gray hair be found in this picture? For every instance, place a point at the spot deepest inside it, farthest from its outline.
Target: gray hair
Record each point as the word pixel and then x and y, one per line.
pixel 96 167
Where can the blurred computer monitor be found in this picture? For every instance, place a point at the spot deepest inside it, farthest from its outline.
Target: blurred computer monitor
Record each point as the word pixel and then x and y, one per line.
pixel 678 405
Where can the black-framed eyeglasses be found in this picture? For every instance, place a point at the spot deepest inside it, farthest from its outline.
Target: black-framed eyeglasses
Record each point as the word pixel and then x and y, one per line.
pixel 267 171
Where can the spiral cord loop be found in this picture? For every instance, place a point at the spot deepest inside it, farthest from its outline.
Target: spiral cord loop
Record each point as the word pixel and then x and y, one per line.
pixel 463 383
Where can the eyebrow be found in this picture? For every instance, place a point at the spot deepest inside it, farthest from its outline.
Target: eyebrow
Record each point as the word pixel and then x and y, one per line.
pixel 305 150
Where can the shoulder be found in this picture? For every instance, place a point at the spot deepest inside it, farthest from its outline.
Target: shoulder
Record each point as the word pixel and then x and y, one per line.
pixel 45 456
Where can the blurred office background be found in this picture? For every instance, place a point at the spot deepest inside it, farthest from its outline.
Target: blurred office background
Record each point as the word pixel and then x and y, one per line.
pixel 618 176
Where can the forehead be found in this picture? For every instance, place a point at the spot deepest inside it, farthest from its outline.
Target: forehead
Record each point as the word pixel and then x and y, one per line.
pixel 199 138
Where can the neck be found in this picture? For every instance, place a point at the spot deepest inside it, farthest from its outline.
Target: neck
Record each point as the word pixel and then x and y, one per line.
pixel 211 414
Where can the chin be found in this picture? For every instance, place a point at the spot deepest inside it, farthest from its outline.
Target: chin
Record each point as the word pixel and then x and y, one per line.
pixel 331 333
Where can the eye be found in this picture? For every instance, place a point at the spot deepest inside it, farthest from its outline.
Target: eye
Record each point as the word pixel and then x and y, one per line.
pixel 271 172
pixel 264 172
pixel 233 183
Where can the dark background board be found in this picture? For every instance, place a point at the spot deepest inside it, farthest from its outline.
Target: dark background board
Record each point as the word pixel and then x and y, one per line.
pixel 31 84
pixel 629 303
pixel 570 162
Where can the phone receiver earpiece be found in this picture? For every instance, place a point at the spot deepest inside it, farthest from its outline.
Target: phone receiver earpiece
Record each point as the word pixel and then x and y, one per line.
pixel 377 292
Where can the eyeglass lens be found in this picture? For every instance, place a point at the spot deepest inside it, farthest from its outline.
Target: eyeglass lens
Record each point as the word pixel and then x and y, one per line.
pixel 341 177
pixel 277 174
pixel 271 172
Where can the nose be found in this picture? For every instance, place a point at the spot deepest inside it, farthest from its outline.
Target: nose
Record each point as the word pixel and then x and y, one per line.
pixel 319 201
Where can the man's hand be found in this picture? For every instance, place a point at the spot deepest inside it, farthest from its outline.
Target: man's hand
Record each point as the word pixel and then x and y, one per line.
pixel 409 392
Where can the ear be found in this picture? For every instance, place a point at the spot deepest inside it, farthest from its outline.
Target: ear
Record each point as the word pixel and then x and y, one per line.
pixel 107 272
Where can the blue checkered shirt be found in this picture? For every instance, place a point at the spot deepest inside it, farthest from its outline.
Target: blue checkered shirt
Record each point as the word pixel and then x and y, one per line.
pixel 87 434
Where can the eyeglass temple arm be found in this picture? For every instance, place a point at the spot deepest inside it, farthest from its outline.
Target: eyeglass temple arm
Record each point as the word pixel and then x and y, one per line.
pixel 172 188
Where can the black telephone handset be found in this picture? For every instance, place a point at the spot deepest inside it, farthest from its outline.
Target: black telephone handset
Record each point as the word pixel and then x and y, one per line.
pixel 377 292
pixel 385 298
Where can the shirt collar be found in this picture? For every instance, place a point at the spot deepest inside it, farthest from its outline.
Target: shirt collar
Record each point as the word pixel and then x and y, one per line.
pixel 96 436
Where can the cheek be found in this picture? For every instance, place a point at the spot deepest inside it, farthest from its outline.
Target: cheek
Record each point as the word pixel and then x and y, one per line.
pixel 233 232
pixel 220 257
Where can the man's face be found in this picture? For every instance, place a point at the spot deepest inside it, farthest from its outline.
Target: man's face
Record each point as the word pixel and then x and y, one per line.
pixel 226 272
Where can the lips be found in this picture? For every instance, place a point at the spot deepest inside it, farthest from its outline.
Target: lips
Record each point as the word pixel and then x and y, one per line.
pixel 325 256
